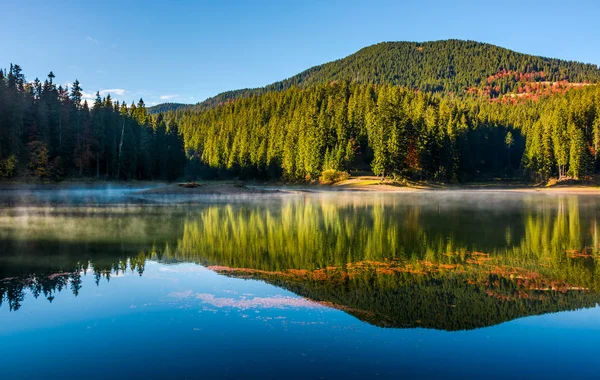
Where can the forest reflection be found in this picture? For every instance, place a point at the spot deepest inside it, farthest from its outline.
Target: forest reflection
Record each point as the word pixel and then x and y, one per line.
pixel 444 261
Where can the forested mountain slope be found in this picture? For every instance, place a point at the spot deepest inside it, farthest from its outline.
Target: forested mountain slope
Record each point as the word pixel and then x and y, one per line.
pixel 165 107
pixel 299 133
pixel 449 66
pixel 445 110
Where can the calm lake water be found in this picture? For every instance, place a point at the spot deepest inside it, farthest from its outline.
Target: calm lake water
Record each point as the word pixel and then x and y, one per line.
pixel 105 284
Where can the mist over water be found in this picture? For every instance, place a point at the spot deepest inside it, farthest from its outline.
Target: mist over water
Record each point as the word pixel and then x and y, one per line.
pixel 395 283
pixel 76 195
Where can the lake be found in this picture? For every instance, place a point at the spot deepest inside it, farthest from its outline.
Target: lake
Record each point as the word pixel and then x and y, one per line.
pixel 101 283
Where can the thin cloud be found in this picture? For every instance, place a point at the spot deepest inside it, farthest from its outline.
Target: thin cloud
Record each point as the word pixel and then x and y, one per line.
pixel 274 302
pixel 87 96
pixel 243 303
pixel 92 39
pixel 168 97
pixel 117 91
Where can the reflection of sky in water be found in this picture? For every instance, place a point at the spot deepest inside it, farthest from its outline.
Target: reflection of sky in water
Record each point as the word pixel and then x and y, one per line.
pixel 185 321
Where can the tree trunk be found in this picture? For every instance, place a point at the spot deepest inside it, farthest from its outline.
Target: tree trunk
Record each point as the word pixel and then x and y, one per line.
pixel 120 149
pixel 59 131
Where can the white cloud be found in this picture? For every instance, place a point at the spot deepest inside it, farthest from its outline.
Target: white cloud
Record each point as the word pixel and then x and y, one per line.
pixel 92 39
pixel 88 96
pixel 272 302
pixel 118 91
pixel 168 97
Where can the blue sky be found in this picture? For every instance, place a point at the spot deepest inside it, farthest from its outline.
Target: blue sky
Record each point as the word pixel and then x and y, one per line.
pixel 186 51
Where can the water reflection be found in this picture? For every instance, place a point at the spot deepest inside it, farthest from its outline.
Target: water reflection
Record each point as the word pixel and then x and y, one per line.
pixel 447 260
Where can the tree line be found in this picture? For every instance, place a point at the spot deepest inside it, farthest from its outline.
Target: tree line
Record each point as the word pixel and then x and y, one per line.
pixel 50 132
pixel 562 132
pixel 298 133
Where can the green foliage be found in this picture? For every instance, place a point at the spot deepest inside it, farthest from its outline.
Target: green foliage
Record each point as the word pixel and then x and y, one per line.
pixel 54 134
pixel 398 132
pixel 509 140
pixel 38 159
pixel 8 166
pixel 166 107
pixel 331 176
pixel 345 126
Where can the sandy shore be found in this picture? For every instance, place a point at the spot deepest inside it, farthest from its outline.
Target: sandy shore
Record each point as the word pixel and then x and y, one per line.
pixel 356 184
pixel 369 183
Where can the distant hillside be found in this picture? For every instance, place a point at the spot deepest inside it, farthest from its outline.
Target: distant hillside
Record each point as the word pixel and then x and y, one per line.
pixel 441 66
pixel 166 107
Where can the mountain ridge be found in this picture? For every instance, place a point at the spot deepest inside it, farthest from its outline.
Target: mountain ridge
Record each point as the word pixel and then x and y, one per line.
pixel 443 66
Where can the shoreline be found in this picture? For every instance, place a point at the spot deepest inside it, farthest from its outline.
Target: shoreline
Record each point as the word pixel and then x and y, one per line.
pixel 235 187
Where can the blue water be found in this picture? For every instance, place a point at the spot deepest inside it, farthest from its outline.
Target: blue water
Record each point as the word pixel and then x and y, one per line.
pixel 157 326
pixel 182 319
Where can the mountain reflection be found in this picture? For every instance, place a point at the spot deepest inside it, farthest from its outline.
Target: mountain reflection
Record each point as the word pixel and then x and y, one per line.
pixel 439 261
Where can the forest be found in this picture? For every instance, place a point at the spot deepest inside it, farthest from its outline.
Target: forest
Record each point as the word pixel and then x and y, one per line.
pixel 297 134
pixel 47 132
pixel 445 111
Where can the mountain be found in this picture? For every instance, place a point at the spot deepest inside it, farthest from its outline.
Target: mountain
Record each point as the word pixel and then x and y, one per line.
pixel 450 111
pixel 440 66
pixel 165 107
